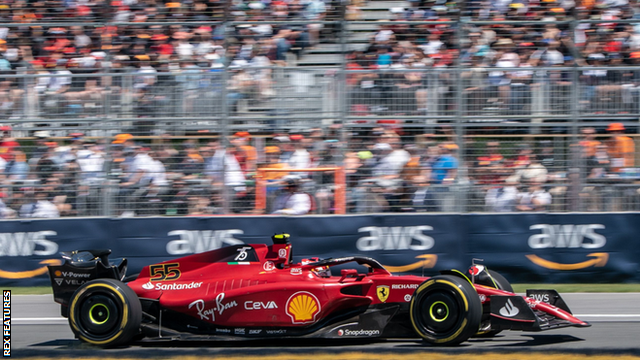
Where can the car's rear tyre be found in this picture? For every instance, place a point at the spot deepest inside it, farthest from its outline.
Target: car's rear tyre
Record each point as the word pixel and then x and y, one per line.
pixel 503 284
pixel 105 312
pixel 445 310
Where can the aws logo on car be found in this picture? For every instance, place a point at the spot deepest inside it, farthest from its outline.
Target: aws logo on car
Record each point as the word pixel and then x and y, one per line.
pixel 28 244
pixel 568 236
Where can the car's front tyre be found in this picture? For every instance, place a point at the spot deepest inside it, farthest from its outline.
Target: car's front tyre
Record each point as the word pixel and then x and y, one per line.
pixel 105 312
pixel 445 310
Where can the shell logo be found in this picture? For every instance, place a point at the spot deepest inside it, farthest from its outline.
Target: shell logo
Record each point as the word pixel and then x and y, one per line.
pixel 303 307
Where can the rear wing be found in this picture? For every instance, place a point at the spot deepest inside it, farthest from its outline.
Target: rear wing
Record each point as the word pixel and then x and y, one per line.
pixel 80 267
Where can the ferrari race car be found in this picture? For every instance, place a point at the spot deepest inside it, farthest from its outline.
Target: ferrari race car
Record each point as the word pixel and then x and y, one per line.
pixel 258 292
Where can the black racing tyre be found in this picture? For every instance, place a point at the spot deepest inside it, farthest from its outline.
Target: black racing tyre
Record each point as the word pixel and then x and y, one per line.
pixel 503 284
pixel 105 312
pixel 445 310
pixel 501 281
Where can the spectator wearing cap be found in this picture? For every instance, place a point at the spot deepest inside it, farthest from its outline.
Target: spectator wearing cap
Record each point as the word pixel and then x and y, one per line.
pixel 90 159
pixel 300 159
pixel 7 143
pixel 621 148
pixel 272 154
pixel 17 168
pixel 292 201
pixel 445 169
pixel 244 152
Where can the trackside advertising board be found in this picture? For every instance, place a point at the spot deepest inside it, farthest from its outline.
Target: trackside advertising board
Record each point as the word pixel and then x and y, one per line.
pixel 524 247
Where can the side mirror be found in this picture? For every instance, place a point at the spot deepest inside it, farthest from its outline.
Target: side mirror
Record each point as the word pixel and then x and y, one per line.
pixel 345 273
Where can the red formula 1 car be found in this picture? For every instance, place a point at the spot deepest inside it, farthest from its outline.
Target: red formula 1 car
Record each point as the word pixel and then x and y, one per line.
pixel 256 291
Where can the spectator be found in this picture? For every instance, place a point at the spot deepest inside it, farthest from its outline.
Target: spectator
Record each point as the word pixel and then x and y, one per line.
pixel 599 164
pixel 621 148
pixel 534 199
pixel 292 201
pixel 244 152
pixel 300 158
pixel 7 143
pixel 503 198
pixel 272 154
pixel 41 207
pixel 445 168
pixel 17 169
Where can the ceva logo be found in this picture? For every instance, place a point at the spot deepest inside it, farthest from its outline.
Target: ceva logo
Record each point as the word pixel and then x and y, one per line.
pixel 28 244
pixel 572 237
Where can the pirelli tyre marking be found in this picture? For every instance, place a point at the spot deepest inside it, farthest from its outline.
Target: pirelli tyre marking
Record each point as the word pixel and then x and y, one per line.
pixel 450 317
pixel 125 313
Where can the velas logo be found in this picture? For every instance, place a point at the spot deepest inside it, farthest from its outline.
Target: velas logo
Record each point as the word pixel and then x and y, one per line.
pixel 554 236
pixel 303 307
pixel 428 261
pixel 28 244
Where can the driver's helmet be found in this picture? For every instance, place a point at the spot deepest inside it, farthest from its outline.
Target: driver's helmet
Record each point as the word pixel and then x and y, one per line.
pixel 322 271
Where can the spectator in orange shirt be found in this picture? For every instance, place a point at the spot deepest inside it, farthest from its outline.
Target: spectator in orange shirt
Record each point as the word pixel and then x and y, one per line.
pixel 588 144
pixel 273 162
pixel 245 153
pixel 621 148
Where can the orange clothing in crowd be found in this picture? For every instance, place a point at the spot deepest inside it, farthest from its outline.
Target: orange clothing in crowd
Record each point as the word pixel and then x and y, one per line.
pixel 247 157
pixel 622 152
pixel 589 147
pixel 274 175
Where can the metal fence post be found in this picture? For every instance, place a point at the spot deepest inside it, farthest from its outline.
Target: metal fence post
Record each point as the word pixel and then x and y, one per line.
pixel 224 133
pixel 575 175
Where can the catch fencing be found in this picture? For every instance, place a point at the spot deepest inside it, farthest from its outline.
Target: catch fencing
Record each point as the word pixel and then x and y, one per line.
pixel 175 105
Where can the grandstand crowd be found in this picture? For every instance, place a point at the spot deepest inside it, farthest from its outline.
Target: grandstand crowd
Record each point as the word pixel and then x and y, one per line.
pixel 387 170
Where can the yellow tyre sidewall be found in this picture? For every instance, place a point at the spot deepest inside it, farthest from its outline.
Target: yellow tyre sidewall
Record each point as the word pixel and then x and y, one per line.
pixel 425 286
pixel 125 313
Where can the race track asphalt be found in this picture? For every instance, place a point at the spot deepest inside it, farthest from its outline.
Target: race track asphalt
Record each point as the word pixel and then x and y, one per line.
pixel 38 330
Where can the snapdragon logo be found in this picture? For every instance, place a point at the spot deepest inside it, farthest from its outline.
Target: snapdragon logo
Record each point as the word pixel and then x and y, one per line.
pixel 360 332
pixel 197 241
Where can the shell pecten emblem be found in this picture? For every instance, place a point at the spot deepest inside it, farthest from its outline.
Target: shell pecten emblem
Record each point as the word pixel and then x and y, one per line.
pixel 303 307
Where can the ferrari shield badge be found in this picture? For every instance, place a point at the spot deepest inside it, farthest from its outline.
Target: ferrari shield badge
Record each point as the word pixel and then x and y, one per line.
pixel 383 292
